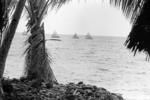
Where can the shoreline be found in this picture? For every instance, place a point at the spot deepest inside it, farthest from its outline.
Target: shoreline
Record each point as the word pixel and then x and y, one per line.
pixel 24 89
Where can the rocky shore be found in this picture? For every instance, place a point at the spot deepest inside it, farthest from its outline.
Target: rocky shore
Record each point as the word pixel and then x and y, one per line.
pixel 23 89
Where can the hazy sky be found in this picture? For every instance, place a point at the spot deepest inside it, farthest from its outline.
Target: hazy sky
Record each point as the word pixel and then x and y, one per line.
pixel 81 17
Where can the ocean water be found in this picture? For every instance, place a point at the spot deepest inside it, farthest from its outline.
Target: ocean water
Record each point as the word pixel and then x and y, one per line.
pixel 103 61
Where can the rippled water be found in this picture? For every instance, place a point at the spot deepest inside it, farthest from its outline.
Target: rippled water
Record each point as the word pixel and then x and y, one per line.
pixel 103 61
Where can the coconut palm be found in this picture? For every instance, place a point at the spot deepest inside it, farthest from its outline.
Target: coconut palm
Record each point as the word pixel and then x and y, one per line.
pixel 37 60
pixel 6 7
pixel 138 11
pixel 10 14
pixel 8 34
pixel 8 28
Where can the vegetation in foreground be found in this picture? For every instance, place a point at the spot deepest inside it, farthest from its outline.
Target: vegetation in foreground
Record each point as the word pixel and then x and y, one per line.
pixel 24 89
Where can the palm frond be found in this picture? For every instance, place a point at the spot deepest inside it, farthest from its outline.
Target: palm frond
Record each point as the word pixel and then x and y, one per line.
pixel 138 11
pixel 131 8
pixel 37 9
pixel 57 3
pixel 139 37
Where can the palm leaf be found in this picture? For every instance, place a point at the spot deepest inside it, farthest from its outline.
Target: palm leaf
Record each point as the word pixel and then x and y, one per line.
pixel 138 12
pixel 131 8
pixel 139 37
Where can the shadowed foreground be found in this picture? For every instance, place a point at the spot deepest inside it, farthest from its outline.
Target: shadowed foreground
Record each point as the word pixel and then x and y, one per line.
pixel 24 89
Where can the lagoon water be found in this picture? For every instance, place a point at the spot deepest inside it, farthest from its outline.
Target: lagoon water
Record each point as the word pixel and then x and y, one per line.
pixel 103 61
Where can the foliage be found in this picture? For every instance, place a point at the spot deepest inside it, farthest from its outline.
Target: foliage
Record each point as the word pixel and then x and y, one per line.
pixel 138 11
pixel 131 8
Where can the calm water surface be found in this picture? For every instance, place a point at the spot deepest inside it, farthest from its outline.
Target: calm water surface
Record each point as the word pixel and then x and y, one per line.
pixel 103 61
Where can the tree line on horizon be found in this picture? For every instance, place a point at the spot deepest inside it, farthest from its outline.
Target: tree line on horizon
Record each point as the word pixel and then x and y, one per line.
pixel 37 61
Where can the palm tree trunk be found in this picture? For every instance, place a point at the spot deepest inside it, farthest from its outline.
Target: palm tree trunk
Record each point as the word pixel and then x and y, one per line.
pixel 6 43
pixel 37 59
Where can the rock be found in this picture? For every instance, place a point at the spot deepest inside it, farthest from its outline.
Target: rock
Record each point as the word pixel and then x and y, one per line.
pixel 49 85
pixel 116 97
pixel 89 92
pixel 80 83
pixel 87 87
pixel 7 86
pixel 25 89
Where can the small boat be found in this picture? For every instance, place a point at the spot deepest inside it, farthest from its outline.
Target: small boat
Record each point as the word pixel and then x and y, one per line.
pixel 88 36
pixel 75 36
pixel 55 35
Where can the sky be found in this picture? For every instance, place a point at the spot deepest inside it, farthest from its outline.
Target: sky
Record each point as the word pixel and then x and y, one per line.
pixel 81 17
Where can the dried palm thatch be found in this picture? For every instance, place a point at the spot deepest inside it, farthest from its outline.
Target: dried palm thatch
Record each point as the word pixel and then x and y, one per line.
pixel 37 59
pixel 138 11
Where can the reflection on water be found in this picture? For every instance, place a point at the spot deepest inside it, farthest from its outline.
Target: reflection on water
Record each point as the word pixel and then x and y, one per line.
pixel 103 61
